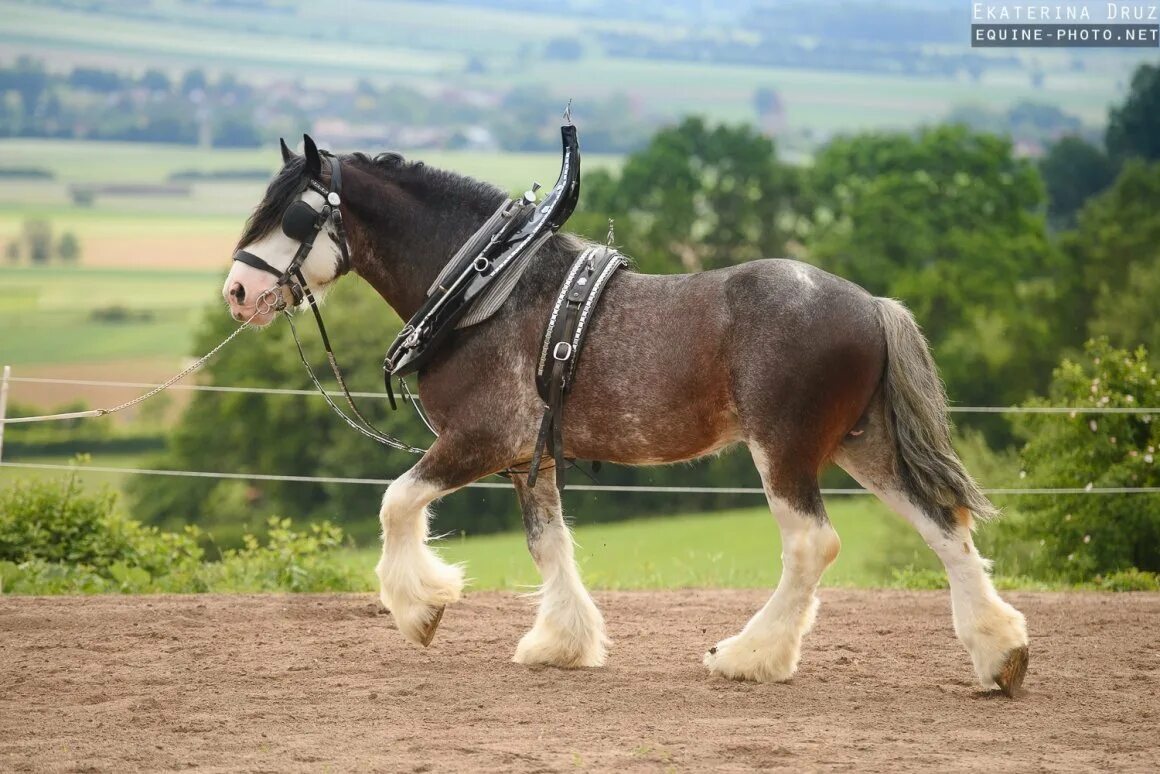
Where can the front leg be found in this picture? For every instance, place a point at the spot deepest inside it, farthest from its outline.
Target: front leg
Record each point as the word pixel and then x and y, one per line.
pixel 415 584
pixel 569 630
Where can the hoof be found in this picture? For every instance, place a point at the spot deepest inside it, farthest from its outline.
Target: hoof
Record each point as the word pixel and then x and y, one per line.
pixel 748 661
pixel 427 633
pixel 1010 675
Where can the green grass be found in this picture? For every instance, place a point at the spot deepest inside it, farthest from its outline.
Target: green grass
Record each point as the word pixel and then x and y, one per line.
pixel 46 314
pixel 212 208
pixel 729 549
pixel 90 481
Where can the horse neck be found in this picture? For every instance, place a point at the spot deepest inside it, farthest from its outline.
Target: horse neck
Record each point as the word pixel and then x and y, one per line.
pixel 399 242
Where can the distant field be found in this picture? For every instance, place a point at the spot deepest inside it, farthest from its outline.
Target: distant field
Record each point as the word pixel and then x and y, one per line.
pixel 426 45
pixel 739 548
pixel 75 161
pixel 195 231
pixel 50 315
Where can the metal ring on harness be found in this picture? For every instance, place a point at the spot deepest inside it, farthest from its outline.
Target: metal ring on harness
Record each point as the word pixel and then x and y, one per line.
pixel 566 346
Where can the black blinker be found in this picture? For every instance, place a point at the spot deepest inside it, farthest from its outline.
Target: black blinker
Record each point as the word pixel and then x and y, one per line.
pixel 300 221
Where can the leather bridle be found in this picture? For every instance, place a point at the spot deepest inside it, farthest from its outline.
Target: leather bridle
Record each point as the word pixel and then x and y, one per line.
pixel 302 223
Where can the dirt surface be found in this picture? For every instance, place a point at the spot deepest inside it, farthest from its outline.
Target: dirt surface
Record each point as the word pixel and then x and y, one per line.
pixel 325 683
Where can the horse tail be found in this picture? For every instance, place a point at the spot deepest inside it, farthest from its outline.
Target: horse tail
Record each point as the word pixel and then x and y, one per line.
pixel 916 405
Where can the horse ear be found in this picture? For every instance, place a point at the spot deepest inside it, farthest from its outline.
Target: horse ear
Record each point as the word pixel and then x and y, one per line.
pixel 313 159
pixel 287 154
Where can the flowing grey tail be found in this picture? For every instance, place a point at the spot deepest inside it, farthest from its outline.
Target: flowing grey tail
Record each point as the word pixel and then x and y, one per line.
pixel 916 404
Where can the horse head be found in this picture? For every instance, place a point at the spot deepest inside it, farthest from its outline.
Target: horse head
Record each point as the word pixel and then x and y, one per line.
pixel 293 239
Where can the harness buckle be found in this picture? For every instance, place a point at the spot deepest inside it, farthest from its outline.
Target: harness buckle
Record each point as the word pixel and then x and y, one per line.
pixel 562 350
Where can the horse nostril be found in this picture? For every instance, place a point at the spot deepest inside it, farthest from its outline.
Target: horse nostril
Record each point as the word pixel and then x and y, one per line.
pixel 238 293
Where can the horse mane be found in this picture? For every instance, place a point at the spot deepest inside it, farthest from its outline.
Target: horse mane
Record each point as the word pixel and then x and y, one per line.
pixel 440 184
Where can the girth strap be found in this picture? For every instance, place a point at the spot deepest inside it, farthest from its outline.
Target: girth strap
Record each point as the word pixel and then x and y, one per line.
pixel 564 338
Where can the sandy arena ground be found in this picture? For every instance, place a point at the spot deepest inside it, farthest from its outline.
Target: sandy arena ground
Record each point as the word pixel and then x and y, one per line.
pixel 325 683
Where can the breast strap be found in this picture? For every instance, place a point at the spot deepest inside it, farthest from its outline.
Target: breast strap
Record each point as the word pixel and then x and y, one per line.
pixel 567 328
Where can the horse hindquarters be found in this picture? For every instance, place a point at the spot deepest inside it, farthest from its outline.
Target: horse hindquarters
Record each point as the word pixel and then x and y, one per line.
pixel 905 457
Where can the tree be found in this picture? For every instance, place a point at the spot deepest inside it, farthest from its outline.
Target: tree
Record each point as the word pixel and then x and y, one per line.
pixel 38 241
pixel 193 81
pixel 68 249
pixel 1079 536
pixel 1073 171
pixel 156 80
pixel 1111 251
pixel 31 81
pixel 236 131
pixel 95 79
pixel 696 197
pixel 1127 317
pixel 1134 127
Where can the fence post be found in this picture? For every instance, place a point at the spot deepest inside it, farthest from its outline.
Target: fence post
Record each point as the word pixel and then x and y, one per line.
pixel 3 405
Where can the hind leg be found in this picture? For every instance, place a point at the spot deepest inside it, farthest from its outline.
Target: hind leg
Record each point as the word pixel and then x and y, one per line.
pixel 569 630
pixel 768 648
pixel 993 632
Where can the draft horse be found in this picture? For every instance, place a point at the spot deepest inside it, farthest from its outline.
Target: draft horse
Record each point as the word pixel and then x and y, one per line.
pixel 802 367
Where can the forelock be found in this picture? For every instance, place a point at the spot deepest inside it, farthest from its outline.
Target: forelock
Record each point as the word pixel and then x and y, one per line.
pixel 283 189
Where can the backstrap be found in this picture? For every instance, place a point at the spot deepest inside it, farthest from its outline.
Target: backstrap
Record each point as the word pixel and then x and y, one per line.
pixel 564 337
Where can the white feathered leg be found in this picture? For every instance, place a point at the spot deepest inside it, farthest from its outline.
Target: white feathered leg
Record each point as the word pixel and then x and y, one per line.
pixel 769 647
pixel 569 630
pixel 993 632
pixel 415 584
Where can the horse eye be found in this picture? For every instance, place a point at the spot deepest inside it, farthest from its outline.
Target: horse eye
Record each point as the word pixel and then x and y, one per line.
pixel 298 221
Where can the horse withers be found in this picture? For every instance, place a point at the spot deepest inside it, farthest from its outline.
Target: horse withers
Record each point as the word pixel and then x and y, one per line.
pixel 800 366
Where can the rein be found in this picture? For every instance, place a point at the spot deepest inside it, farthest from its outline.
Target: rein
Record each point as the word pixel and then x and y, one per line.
pixel 303 223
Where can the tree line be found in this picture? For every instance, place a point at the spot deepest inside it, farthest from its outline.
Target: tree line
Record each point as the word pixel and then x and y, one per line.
pixel 90 103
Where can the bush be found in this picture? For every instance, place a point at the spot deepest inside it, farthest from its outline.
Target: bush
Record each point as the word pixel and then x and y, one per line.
pixel 56 522
pixel 56 539
pixel 1129 580
pixel 1078 537
pixel 290 561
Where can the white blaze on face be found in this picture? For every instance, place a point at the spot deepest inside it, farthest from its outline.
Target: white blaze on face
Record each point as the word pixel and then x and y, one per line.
pixel 245 284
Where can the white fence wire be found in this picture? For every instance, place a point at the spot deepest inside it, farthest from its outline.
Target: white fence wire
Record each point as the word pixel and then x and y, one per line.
pixel 383 395
pixel 1088 489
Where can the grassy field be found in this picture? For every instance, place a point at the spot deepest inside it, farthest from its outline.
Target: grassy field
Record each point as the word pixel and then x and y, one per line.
pixel 197 231
pixel 738 548
pixel 118 162
pixel 52 315
pixel 427 46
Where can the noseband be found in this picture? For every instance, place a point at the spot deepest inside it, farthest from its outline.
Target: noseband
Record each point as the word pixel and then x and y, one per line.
pixel 301 222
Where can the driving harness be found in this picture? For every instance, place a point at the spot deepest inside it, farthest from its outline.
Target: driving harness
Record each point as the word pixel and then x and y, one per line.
pixel 563 340
pixel 470 289
pixel 481 275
